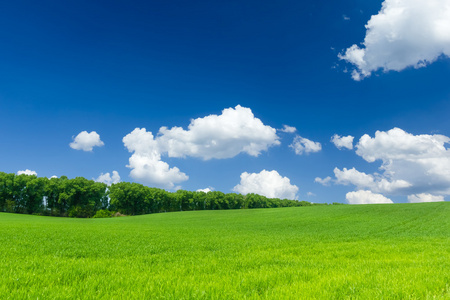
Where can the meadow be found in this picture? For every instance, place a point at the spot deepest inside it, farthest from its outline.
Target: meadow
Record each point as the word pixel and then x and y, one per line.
pixel 396 251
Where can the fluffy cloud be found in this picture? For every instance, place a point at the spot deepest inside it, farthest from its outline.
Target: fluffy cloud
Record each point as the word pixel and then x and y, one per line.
pixel 27 172
pixel 424 198
pixel 233 132
pixel 146 163
pixel 396 144
pixel 366 197
pixel 405 33
pixel 86 141
pixel 342 141
pixel 219 136
pixel 325 181
pixel 302 145
pixel 417 166
pixel 366 181
pixel 108 179
pixel 206 190
pixel 267 183
pixel 288 129
pixel 422 160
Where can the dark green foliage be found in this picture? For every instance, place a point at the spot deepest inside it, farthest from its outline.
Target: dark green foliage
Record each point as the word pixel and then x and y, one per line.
pixel 21 193
pixel 9 206
pixel 83 198
pixel 80 212
pixel 35 191
pixel 103 213
pixel 6 187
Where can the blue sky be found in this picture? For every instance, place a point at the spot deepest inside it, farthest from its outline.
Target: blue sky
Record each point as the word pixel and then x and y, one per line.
pixel 111 67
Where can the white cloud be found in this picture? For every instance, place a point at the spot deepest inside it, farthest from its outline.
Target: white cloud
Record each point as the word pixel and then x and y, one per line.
pixel 54 176
pixel 86 141
pixel 206 190
pixel 267 183
pixel 233 132
pixel 366 197
pixel 366 181
pixel 27 172
pixel 417 166
pixel 146 163
pixel 310 194
pixel 325 181
pixel 422 160
pixel 404 33
pixel 302 145
pixel 424 198
pixel 152 171
pixel 345 18
pixel 108 179
pixel 353 176
pixel 288 129
pixel 396 144
pixel 342 141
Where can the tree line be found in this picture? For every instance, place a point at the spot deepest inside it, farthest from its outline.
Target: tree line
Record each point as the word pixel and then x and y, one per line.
pixel 80 197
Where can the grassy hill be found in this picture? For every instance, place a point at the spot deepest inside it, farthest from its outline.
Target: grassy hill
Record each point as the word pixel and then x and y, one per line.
pixel 399 251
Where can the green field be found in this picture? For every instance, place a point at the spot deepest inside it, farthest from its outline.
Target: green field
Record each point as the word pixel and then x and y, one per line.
pixel 398 251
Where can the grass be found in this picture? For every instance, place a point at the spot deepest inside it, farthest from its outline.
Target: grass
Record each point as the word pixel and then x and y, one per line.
pixel 399 251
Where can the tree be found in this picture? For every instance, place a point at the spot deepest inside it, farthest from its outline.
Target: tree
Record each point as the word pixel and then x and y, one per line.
pixel 80 197
pixel 35 192
pixel 19 192
pixel 6 191
pixel 128 198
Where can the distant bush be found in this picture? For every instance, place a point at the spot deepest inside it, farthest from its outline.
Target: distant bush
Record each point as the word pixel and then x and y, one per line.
pixel 103 213
pixel 80 212
pixel 10 204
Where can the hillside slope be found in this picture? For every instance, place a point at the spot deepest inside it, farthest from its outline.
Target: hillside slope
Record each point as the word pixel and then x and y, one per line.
pixel 367 251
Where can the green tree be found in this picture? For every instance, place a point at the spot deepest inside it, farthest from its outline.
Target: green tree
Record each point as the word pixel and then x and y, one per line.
pixel 127 198
pixel 35 192
pixel 19 192
pixel 6 191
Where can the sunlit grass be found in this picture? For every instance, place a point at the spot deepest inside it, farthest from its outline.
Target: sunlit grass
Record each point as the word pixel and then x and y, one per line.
pixel 330 252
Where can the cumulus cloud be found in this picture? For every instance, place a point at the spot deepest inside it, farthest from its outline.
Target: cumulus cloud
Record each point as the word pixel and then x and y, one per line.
pixel 86 141
pixel 27 172
pixel 302 145
pixel 399 145
pixel 417 166
pixel 108 178
pixel 288 129
pixel 422 160
pixel 146 163
pixel 267 183
pixel 342 141
pixel 424 198
pixel 366 197
pixel 206 190
pixel 367 181
pixel 325 181
pixel 233 132
pixel 404 33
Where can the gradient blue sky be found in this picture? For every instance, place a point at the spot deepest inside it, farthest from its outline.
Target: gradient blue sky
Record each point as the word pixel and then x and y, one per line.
pixel 111 67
